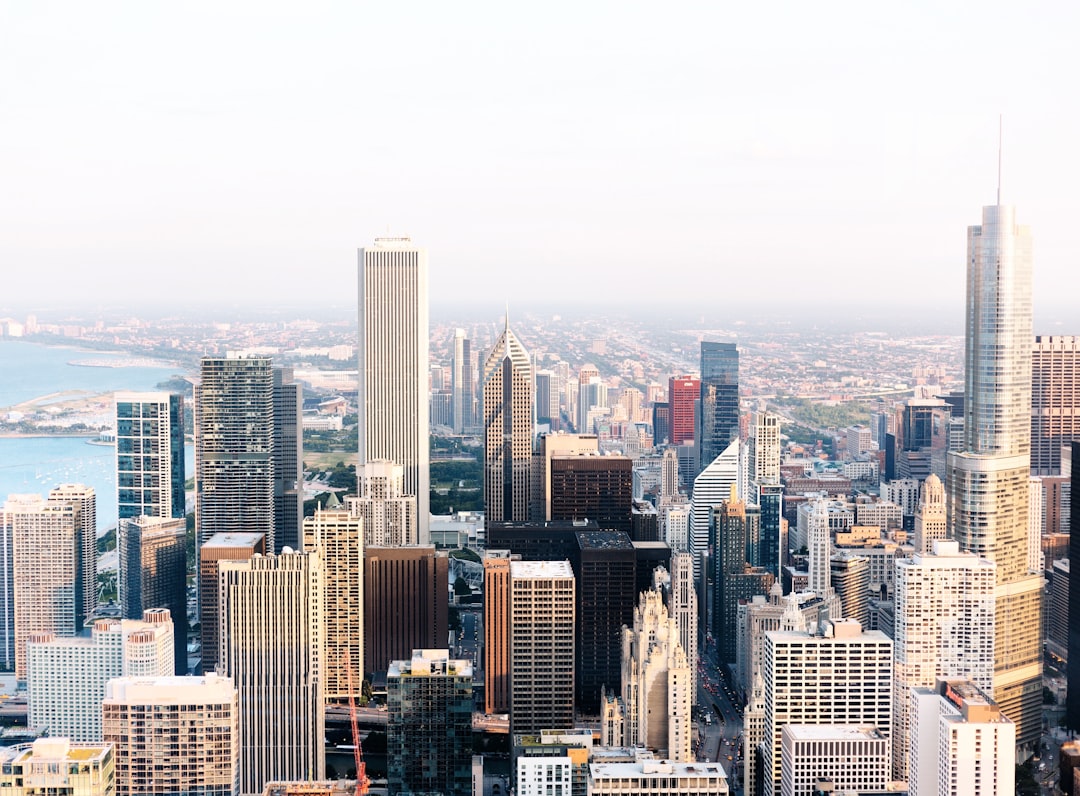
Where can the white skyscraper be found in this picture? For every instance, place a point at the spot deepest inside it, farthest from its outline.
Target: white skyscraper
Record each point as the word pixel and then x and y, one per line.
pixel 682 604
pixel 819 544
pixel 711 488
pixel 669 476
pixel 765 449
pixel 394 363
pixel 389 515
pixel 931 519
pixel 944 627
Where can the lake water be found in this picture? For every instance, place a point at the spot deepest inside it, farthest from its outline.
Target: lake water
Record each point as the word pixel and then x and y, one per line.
pixel 37 464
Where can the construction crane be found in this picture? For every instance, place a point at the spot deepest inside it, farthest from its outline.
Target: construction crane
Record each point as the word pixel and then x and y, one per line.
pixel 362 781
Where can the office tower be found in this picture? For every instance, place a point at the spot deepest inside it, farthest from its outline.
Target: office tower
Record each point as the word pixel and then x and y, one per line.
pixel 719 399
pixel 548 447
pixel 675 525
pixel 547 399
pixel 931 522
pixel 7 595
pixel 850 759
pixel 819 544
pixel 149 454
pixel 461 381
pixel 850 578
pixel 429 739
pixel 661 421
pixel 944 628
pixel 273 646
pixel 173 734
pixel 288 459
pixel 648 557
pixel 711 488
pixel 539 541
pixel 591 393
pixel 682 604
pixel 405 603
pixel 683 392
pixel 1072 700
pixel 1055 400
pixel 734 580
pixel 66 677
pixel 988 480
pixel 1057 610
pixel 389 515
pixel 839 675
pixel 645 522
pixel 604 566
pixel 339 536
pixel 496 631
pixel 772 548
pixel 962 743
pixel 153 574
pixel 595 487
pixel 56 765
pixel 657 683
pixel 83 499
pixel 669 476
pixel 764 448
pixel 46 554
pixel 393 365
pixel 507 390
pixel 219 547
pixel 441 410
pixel 542 614
pixel 921 440
pixel 234 447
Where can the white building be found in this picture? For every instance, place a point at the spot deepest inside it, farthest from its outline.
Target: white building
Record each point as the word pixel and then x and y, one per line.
pixel 66 677
pixel 683 606
pixel 389 514
pixel 675 524
pixel 173 734
pixel 853 759
pixel 819 544
pixel 904 492
pixel 393 364
pixel 657 778
pixel 962 743
pixel 944 627
pixel 711 488
pixel 55 765
pixel 544 776
pixel 838 675
pixel 931 520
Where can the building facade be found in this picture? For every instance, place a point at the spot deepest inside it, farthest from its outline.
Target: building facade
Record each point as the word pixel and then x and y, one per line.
pixel 389 515
pixel 509 416
pixel 149 454
pixel 719 412
pixel 219 547
pixel 1055 400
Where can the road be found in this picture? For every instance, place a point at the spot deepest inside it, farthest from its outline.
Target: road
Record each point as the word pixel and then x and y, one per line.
pixel 720 740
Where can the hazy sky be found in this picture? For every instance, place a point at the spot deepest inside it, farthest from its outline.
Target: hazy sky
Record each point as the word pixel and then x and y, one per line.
pixel 610 152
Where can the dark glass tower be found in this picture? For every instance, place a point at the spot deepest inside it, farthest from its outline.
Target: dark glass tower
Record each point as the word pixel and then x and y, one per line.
pixel 719 399
pixel 1072 699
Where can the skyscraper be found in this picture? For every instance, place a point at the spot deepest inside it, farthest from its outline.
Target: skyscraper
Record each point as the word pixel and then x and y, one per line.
pixel 1055 400
pixel 388 513
pixel 988 480
pixel 234 447
pixel 149 454
pixel 683 393
pixel 594 487
pixel 219 547
pixel 461 382
pixel 719 399
pixel 84 500
pixel 273 646
pixel 393 391
pixel 711 488
pixel 931 519
pixel 288 460
pixel 496 626
pixel 734 581
pixel 507 391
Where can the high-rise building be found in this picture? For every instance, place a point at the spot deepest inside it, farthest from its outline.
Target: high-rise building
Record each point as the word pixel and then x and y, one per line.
pixel 7 595
pixel 591 392
pixel 496 631
pixel 604 565
pixel 719 399
pixel 149 454
pixel 84 500
pixel 273 646
pixel 153 574
pixel 548 447
pixel 669 476
pixel 819 546
pixel 1072 698
pixel 173 734
pixel 56 765
pixel 47 550
pixel 394 364
pixel 734 580
pixel 1055 400
pixel 661 420
pixel 234 447
pixel 764 448
pixel 507 395
pixel 931 520
pixel 389 515
pixel 988 480
pixel 542 614
pixel 429 739
pixel 339 536
pixel 66 677
pixel 944 627
pixel 711 488
pixel 595 487
pixel 839 675
pixel 683 393
pixel 961 742
pixel 682 604
pixel 219 547
pixel 405 603
pixel 461 382
pixel 850 759
pixel 288 460
pixel 850 577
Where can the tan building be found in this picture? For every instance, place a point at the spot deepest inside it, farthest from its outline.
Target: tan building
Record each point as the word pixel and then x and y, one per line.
pixel 496 631
pixel 389 514
pixel 509 413
pixel 219 547
pixel 173 735
pixel 931 521
pixel 339 536
pixel 57 766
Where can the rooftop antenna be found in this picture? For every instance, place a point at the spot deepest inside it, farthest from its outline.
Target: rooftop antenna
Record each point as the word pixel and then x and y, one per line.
pixel 507 316
pixel 1000 126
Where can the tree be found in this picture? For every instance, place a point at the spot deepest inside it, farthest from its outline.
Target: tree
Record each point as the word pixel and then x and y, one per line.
pixel 461 587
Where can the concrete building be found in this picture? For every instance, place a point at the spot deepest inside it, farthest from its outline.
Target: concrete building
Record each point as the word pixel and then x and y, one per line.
pixel 682 605
pixel 288 400
pixel 838 675
pixel 542 622
pixel 988 479
pixel 389 514
pixel 219 547
pixel 550 763
pixel 149 454
pixel 961 743
pixel 339 536
pixel 66 677
pixel 594 487
pixel 1055 400
pixel 429 726
pixel 173 735
pixel 56 765
pixel 7 596
pixel 850 578
pixel 234 447
pixel 153 574
pixel 851 759
pixel 658 778
pixel 931 520
pixel 496 631
pixel 734 580
pixel 393 366
pixel 273 646
pixel 405 603
pixel 461 382
pixel 548 447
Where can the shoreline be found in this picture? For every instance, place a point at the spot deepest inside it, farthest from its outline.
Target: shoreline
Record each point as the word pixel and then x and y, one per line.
pixel 43 435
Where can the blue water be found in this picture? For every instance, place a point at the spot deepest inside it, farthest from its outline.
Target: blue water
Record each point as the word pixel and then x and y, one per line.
pixel 37 464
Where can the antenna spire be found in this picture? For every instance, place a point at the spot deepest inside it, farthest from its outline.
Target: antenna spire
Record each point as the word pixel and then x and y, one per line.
pixel 507 316
pixel 1000 137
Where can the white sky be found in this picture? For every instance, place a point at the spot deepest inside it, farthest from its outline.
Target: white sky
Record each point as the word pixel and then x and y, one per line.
pixel 605 152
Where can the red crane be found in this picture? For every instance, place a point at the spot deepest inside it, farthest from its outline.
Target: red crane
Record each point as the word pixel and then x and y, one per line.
pixel 362 781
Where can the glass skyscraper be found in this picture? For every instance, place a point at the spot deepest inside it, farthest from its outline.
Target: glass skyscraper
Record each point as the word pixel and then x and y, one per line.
pixel 719 418
pixel 149 454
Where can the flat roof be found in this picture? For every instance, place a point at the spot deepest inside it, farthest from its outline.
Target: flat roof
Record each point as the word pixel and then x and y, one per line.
pixel 831 732
pixel 541 569
pixel 656 769
pixel 231 539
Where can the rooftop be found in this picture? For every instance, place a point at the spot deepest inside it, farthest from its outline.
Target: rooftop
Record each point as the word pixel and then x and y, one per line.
pixel 233 540
pixel 831 732
pixel 541 569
